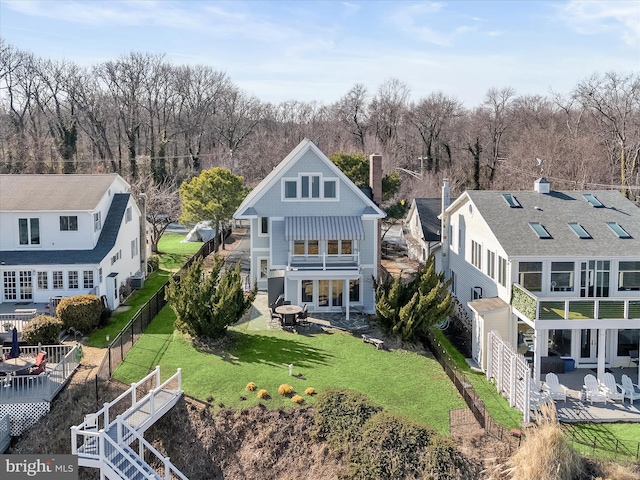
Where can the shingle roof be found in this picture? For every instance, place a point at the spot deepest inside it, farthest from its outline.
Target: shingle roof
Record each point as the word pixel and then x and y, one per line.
pixel 554 211
pixel 52 192
pixel 428 211
pixel 107 240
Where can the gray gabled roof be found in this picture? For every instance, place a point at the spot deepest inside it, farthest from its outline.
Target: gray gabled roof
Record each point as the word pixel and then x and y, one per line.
pixel 428 211
pixel 53 192
pixel 554 211
pixel 107 240
pixel 253 197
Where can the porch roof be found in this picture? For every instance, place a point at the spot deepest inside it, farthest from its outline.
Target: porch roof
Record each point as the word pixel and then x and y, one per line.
pixel 323 228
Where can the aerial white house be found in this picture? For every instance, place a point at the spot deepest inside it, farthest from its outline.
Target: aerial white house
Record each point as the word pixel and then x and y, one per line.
pixel 314 234
pixel 556 273
pixel 66 235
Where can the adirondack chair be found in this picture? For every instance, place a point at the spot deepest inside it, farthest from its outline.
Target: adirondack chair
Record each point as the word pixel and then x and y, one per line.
pixel 631 390
pixel 611 389
pixel 594 392
pixel 555 388
pixel 538 396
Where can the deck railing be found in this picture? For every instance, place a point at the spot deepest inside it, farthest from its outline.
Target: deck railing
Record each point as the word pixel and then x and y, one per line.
pixel 17 320
pixel 63 359
pixel 324 261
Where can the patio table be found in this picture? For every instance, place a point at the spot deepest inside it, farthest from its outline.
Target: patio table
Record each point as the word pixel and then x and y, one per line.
pixel 15 364
pixel 289 313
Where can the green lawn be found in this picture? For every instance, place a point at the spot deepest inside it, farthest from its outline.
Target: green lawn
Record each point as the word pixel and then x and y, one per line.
pixel 137 299
pixel 497 405
pixel 173 253
pixel 403 382
pixel 609 437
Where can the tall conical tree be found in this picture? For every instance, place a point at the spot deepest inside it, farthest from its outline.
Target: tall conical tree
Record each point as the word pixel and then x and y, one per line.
pixel 408 310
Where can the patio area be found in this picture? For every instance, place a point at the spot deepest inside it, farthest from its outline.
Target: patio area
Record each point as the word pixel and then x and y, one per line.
pixel 574 410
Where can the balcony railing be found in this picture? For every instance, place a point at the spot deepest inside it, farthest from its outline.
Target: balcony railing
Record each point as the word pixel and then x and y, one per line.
pixel 574 308
pixel 325 261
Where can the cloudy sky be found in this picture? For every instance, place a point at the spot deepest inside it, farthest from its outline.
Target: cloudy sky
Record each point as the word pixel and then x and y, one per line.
pixel 317 50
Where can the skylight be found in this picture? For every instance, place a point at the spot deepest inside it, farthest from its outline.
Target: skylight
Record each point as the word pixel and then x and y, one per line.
pixel 540 230
pixel 511 200
pixel 618 230
pixel 579 230
pixel 592 200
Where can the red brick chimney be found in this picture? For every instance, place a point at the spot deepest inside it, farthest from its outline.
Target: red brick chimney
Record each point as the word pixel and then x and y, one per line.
pixel 375 177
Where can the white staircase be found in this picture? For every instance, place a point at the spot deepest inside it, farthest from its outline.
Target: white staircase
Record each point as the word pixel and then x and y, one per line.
pixel 117 447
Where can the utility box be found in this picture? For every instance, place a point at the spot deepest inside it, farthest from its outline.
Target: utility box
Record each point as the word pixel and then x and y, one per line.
pixel 137 281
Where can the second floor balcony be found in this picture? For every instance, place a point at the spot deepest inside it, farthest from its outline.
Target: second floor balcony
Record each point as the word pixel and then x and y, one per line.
pixel 323 261
pixel 576 309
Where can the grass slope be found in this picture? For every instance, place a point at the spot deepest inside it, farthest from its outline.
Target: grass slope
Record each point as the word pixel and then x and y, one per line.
pixel 174 253
pixel 403 382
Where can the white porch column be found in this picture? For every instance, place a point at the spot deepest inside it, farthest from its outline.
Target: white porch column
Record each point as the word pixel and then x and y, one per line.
pixel 540 349
pixel 602 335
pixel 345 295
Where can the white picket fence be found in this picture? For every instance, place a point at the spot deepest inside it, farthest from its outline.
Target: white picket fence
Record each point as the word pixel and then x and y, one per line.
pixel 510 373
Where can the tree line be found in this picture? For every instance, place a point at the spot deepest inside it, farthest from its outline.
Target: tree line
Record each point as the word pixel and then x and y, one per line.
pixel 146 118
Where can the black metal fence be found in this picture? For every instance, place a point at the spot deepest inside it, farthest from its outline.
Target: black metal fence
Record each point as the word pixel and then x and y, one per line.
pixel 129 335
pixel 471 398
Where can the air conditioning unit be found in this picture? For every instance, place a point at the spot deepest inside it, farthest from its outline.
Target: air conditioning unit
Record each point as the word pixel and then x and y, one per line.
pixel 137 281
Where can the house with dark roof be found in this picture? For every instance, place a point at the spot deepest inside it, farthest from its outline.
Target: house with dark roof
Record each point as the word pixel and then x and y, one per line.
pixel 314 234
pixel 556 273
pixel 422 227
pixel 66 235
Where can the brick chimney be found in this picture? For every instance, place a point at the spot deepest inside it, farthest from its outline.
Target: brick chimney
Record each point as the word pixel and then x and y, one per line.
pixel 375 177
pixel 375 182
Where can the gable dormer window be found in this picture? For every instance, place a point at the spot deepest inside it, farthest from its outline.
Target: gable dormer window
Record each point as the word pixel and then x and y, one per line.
pixel 310 186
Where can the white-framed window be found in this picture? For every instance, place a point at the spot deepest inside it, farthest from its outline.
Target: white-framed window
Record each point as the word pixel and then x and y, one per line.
pixel 72 277
pixel 134 247
pixel 100 275
pixel 10 286
pixel 128 215
pixel 264 226
pixel 491 264
pixel 58 280
pixel 562 276
pixel 87 278
pixel 629 276
pixel 450 233
pixel 29 231
pixel 43 280
pixel 306 247
pixel 452 276
pixel 310 186
pixel 263 268
pixel 96 222
pixel 476 254
pixel 339 247
pixel 530 275
pixel 68 223
pixel 476 293
pixel 502 271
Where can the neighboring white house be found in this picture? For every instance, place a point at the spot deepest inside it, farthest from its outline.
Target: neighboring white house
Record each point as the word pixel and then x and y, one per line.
pixel 314 234
pixel 553 272
pixel 66 235
pixel 422 228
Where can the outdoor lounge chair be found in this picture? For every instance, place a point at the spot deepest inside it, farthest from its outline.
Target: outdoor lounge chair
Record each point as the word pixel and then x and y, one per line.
pixel 593 390
pixel 538 396
pixel 555 388
pixel 611 389
pixel 275 319
pixel 630 389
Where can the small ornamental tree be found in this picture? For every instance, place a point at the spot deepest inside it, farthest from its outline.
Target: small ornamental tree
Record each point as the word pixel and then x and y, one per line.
pixel 408 310
pixel 206 304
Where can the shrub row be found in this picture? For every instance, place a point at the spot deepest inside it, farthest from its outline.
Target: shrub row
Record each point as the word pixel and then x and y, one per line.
pixel 378 444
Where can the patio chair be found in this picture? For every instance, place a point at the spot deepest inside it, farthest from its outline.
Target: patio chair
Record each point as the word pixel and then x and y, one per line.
pixel 611 389
pixel 555 388
pixel 302 316
pixel 593 390
pixel 630 389
pixel 275 319
pixel 538 396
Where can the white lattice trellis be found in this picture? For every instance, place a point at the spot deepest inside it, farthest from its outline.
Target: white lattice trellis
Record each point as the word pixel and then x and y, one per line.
pixel 23 415
pixel 510 372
